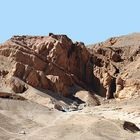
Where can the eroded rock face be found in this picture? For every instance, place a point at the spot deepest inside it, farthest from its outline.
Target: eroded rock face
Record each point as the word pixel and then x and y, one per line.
pixel 117 66
pixel 55 63
pixel 51 62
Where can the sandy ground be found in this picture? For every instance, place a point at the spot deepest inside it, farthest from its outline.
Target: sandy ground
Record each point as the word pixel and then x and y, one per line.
pixel 25 120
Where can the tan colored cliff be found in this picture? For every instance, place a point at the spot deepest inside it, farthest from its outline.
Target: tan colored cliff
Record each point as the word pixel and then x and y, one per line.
pixel 51 63
pixel 120 58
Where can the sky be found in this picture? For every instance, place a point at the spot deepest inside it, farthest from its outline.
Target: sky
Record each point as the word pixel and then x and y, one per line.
pixel 88 21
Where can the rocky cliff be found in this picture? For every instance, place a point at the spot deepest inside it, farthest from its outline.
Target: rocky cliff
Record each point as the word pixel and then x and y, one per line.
pixel 51 63
pixel 39 74
pixel 117 66
pixel 54 63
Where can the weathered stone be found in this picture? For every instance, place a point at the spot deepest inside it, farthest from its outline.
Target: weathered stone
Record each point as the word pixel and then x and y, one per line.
pixel 51 63
pixel 119 56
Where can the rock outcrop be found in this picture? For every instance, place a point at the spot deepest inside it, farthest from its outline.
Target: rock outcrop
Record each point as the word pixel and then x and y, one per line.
pixel 55 63
pixel 117 66
pixel 51 62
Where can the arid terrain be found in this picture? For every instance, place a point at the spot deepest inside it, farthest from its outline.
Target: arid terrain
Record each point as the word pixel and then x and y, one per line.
pixel 52 88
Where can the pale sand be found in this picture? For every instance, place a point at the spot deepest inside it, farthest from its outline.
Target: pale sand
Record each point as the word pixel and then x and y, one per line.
pixel 103 122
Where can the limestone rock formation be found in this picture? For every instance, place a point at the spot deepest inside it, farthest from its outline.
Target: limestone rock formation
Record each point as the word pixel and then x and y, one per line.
pixel 44 78
pixel 51 62
pixel 54 63
pixel 119 59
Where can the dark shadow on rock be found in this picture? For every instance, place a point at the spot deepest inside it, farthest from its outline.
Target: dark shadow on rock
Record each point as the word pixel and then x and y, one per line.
pixel 13 96
pixel 68 100
pixel 113 87
pixel 98 87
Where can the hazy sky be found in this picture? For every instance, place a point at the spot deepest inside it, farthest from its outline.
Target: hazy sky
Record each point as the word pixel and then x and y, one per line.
pixel 88 21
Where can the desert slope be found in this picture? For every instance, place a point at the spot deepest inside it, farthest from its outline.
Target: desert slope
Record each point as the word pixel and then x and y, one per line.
pixel 31 121
pixel 52 88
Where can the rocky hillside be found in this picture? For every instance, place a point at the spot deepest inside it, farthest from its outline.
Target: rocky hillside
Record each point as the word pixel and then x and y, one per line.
pixel 40 75
pixel 52 62
pixel 117 66
pixel 53 65
pixel 46 63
